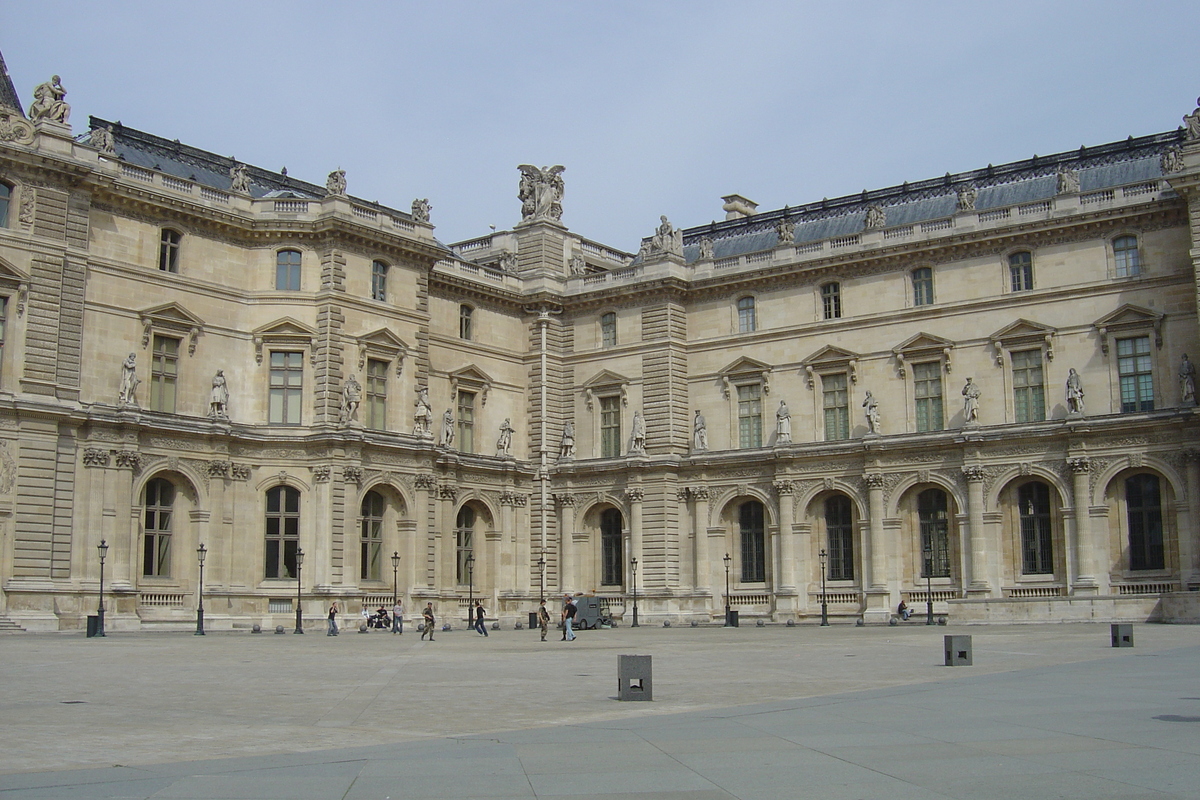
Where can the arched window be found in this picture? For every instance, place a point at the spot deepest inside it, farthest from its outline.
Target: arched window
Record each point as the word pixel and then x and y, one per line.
pixel 379 271
pixel 831 300
pixel 1020 271
pixel 608 329
pixel 168 250
pixel 464 541
pixel 752 532
pixel 1125 251
pixel 371 538
pixel 922 286
pixel 5 199
pixel 932 506
pixel 612 548
pixel 1037 552
pixel 283 532
pixel 747 321
pixel 465 314
pixel 287 270
pixel 156 551
pixel 839 534
pixel 1143 509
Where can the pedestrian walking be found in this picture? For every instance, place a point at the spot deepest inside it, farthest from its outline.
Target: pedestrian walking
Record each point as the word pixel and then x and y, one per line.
pixel 568 618
pixel 398 618
pixel 543 619
pixel 480 625
pixel 331 628
pixel 427 615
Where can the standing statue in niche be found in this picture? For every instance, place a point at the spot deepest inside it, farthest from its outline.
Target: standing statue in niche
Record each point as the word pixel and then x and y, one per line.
pixel 783 424
pixel 1187 381
pixel 335 184
pixel 1191 123
pixel 540 192
pixel 639 434
pixel 48 102
pixel 872 407
pixel 103 140
pixel 699 432
pixel 504 443
pixel 127 395
pixel 239 180
pixel 566 448
pixel 423 416
pixel 447 439
pixel 667 239
pixel 971 394
pixel 1074 393
pixel 421 209
pixel 351 397
pixel 218 398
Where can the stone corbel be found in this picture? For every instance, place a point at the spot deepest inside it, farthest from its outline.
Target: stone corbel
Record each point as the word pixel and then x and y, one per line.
pixel 1049 340
pixel 258 350
pixel 193 338
pixel 854 370
pixel 901 366
pixel 999 347
pixel 147 325
pixel 946 356
pixel 725 386
pixel 589 398
pixel 810 377
pixel 766 381
pixel 22 296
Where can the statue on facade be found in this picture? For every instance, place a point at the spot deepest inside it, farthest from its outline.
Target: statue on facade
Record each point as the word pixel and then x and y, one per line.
pixel 335 184
pixel 423 416
pixel 971 394
pixel 699 432
pixel 504 443
pixel 540 192
pixel 239 181
pixel 872 408
pixel 786 231
pixel 1171 160
pixel 1074 393
pixel 578 265
pixel 876 218
pixel 218 398
pixel 447 439
pixel 566 448
pixel 1191 123
pixel 966 197
pixel 706 249
pixel 1187 381
pixel 421 209
pixel 783 424
pixel 48 102
pixel 103 140
pixel 1068 181
pixel 667 239
pixel 127 394
pixel 639 434
pixel 351 397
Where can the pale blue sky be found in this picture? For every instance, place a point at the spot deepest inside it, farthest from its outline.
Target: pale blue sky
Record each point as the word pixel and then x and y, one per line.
pixel 653 107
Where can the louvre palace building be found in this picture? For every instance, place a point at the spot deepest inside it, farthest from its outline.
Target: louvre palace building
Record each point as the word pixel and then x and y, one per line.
pixel 973 389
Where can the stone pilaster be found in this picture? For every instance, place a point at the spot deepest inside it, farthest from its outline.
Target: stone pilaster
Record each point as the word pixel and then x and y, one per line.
pixel 568 558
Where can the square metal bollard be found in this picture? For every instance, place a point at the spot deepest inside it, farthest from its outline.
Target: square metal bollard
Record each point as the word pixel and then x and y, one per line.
pixel 634 679
pixel 958 651
pixel 1122 634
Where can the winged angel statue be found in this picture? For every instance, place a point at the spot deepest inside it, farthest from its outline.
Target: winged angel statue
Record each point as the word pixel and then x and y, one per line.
pixel 541 192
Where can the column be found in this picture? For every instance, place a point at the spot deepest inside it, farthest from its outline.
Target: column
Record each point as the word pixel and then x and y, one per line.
pixel 416 552
pixel 445 575
pixel 568 560
pixel 703 565
pixel 1085 556
pixel 879 577
pixel 787 546
pixel 979 582
pixel 635 495
pixel 1187 523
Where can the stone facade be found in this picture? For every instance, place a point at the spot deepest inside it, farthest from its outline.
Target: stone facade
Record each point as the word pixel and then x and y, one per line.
pixel 128 243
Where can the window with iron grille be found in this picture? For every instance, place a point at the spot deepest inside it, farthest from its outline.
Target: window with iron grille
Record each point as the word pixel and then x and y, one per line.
pixel 752 532
pixel 611 548
pixel 935 533
pixel 464 543
pixel 1037 552
pixel 839 534
pixel 1143 509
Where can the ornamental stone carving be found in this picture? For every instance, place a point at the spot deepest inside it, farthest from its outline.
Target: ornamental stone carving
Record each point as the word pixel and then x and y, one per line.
pixel 966 197
pixel 127 393
pixel 95 457
pixel 217 469
pixel 635 495
pixel 128 458
pixel 706 249
pixel 515 499
pixel 784 487
pixel 973 473
pixel 564 499
pixel 667 240
pixel 876 218
pixel 218 398
pixel 239 472
pixel 352 475
pixel 698 492
pixel 103 140
pixel 1191 123
pixel 1068 181
pixel 425 482
pixel 540 192
pixel 13 128
pixel 448 492
pixel 420 209
pixel 786 232
pixel 874 480
pixel 1171 160
pixel 48 103
pixel 335 183
pixel 321 473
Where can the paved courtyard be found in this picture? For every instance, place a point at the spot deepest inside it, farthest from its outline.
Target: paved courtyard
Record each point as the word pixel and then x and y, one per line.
pixel 775 712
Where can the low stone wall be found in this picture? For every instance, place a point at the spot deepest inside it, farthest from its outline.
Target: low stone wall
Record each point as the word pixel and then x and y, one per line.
pixel 1174 607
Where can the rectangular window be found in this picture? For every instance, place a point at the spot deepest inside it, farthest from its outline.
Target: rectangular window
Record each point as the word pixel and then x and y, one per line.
pixel 1129 262
pixel 376 394
pixel 287 270
pixel 283 532
pixel 5 198
pixel 935 533
pixel 3 326
pixel 1020 271
pixel 1134 369
pixel 839 531
pixel 1037 554
pixel 164 373
pixel 465 320
pixel 747 321
pixel 1029 392
pixel 287 383
pixel 608 330
pixel 168 250
pixel 610 426
pixel 837 407
pixel 612 552
pixel 749 416
pixel 753 535
pixel 1143 506
pixel 371 538
pixel 927 389
pixel 922 285
pixel 466 422
pixel 831 300
pixel 379 271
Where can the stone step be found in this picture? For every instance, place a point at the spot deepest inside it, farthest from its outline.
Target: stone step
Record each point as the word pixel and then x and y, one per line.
pixel 7 625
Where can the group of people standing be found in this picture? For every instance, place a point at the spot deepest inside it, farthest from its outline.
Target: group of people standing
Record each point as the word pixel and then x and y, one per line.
pixel 477 618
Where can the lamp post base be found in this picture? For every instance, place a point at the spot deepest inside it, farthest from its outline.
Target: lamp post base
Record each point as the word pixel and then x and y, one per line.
pixel 299 623
pixel 824 615
pixel 929 613
pixel 200 622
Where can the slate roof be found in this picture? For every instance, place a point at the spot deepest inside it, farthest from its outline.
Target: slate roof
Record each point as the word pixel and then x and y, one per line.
pixel 8 94
pixel 1029 181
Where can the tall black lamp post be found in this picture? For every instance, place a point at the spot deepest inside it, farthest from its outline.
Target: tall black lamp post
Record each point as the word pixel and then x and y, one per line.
pixel 102 549
pixel 929 584
pixel 824 605
pixel 299 564
pixel 201 552
pixel 727 561
pixel 542 576
pixel 633 561
pixel 395 569
pixel 470 587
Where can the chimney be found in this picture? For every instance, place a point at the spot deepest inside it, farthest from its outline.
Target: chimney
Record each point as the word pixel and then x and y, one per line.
pixel 738 207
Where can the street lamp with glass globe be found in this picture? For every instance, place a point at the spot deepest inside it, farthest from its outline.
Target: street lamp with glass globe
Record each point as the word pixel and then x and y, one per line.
pixel 201 552
pixel 299 564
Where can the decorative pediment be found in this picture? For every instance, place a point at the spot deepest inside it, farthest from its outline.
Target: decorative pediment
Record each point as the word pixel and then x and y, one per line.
pixel 285 332
pixel 1128 319
pixel 922 347
pixel 14 282
pixel 830 359
pixel 606 382
pixel 1023 334
pixel 744 370
pixel 384 345
pixel 471 379
pixel 171 318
